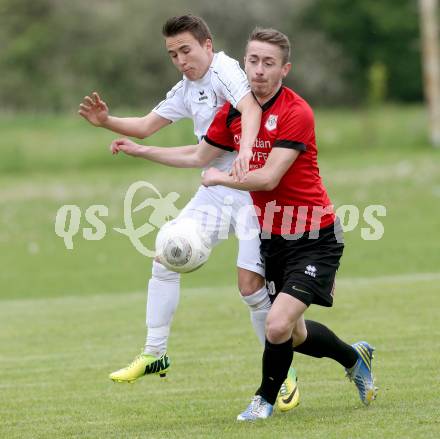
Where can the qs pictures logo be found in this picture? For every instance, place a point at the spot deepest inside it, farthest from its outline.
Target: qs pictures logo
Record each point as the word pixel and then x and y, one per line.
pixel 157 210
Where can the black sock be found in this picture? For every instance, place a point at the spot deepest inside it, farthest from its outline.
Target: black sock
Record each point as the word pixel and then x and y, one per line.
pixel 277 359
pixel 322 342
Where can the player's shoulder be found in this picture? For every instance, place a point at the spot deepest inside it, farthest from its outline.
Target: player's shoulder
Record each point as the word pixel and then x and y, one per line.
pixel 177 89
pixel 224 67
pixel 296 105
pixel 222 62
pixel 293 99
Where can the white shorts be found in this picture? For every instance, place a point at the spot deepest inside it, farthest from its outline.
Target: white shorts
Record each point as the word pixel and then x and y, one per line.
pixel 221 211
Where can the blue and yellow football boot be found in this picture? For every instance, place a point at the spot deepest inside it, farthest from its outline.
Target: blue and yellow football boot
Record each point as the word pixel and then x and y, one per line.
pixel 361 372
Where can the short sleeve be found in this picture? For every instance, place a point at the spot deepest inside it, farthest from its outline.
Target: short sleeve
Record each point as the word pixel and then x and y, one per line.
pixel 219 134
pixel 296 128
pixel 173 106
pixel 229 80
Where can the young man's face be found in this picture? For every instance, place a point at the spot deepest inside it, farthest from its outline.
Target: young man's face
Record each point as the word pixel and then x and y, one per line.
pixel 189 56
pixel 264 68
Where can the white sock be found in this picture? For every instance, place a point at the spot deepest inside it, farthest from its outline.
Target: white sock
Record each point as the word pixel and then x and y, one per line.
pixel 162 301
pixel 259 306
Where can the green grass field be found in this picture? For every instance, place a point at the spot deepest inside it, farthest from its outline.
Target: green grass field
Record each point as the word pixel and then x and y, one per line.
pixel 68 318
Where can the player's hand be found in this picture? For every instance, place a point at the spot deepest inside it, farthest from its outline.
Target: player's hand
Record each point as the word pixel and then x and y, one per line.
pixel 126 146
pixel 240 166
pixel 211 177
pixel 94 110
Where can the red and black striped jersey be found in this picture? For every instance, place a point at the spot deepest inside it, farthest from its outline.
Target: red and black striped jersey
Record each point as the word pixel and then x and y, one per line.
pixel 300 202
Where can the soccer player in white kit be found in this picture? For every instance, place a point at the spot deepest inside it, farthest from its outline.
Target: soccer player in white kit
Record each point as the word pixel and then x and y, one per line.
pixel 209 80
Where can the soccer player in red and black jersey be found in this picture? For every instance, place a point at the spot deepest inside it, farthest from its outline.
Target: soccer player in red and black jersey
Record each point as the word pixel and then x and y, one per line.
pixel 301 237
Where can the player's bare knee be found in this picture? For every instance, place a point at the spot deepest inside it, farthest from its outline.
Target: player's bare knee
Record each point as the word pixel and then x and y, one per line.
pixel 278 331
pixel 249 282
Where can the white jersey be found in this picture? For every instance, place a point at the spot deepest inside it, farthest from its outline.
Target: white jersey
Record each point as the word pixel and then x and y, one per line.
pixel 200 100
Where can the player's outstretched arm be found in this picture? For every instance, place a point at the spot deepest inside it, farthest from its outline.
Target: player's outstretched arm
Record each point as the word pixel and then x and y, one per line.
pixel 191 156
pixel 95 111
pixel 250 125
pixel 266 178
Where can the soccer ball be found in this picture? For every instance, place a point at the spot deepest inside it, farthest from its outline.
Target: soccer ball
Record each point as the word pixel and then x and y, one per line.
pixel 182 246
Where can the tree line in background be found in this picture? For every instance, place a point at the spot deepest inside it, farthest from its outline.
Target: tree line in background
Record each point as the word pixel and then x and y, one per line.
pixel 53 52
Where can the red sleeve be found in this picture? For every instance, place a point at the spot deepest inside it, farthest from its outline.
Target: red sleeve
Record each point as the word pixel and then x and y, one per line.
pixel 219 133
pixel 296 128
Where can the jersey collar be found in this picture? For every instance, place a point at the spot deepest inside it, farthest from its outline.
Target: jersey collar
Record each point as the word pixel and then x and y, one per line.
pixel 272 100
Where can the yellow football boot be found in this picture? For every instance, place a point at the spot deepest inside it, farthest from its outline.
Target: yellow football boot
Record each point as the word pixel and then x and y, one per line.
pixel 288 396
pixel 142 365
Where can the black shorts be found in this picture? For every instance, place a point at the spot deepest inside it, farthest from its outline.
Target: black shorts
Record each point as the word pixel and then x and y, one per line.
pixel 305 267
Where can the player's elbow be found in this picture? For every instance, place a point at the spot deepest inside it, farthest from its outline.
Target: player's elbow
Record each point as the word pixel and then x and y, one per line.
pixel 270 182
pixel 143 133
pixel 196 160
pixel 144 128
pixel 202 162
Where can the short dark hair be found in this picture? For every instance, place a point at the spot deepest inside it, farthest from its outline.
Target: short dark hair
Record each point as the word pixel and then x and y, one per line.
pixel 272 36
pixel 196 26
